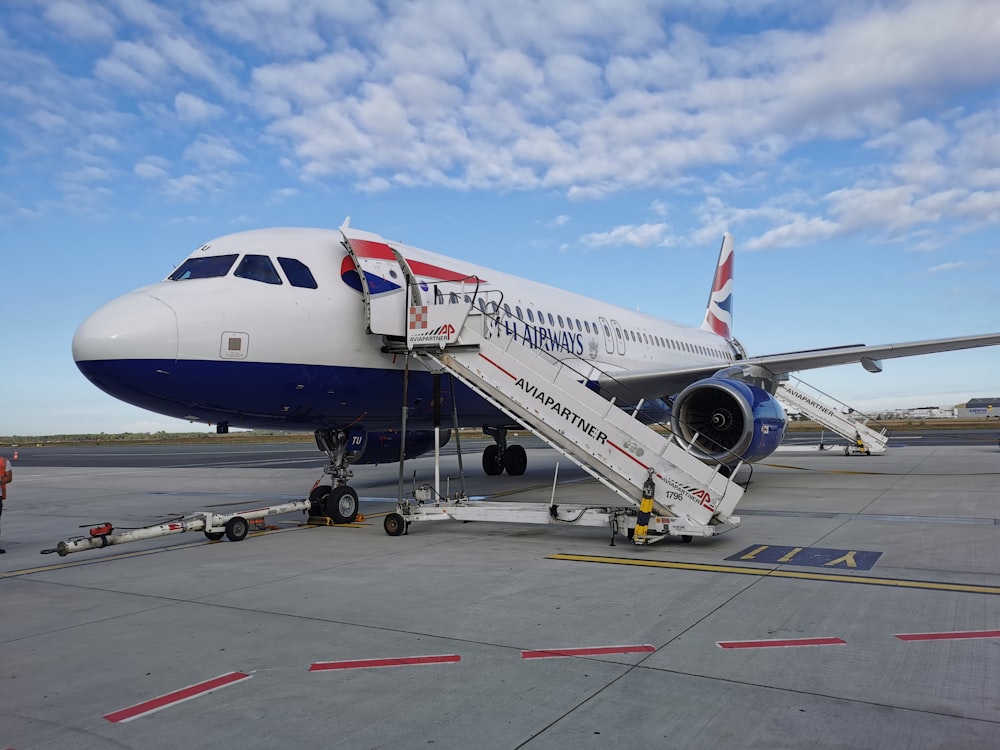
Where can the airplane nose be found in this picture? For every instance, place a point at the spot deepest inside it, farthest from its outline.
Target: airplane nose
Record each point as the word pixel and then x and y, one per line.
pixel 134 326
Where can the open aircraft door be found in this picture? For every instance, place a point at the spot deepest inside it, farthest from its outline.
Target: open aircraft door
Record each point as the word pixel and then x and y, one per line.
pixel 397 304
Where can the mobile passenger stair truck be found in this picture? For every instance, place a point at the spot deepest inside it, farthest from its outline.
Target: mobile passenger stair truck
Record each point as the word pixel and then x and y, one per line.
pixel 863 439
pixel 666 490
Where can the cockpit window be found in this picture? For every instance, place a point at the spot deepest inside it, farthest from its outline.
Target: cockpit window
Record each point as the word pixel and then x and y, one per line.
pixel 204 267
pixel 258 268
pixel 298 273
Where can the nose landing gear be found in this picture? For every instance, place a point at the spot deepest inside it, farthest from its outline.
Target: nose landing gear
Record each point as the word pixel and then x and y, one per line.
pixel 331 496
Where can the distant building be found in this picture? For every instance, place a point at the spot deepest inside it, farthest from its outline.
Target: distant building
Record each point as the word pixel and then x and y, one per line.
pixel 925 412
pixel 918 412
pixel 979 408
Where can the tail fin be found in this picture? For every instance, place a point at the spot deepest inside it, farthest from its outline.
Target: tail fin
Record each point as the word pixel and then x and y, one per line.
pixel 719 313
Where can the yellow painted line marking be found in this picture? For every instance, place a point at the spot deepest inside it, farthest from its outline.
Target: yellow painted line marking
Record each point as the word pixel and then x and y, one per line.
pixel 766 572
pixel 752 555
pixel 877 473
pixel 848 558
pixel 788 557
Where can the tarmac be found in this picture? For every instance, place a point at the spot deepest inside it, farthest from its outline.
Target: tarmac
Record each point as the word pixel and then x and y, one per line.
pixel 857 606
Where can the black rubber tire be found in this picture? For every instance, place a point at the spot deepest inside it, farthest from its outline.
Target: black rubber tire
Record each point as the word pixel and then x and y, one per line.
pixel 214 536
pixel 394 524
pixel 515 460
pixel 237 529
pixel 342 504
pixel 492 461
pixel 686 538
pixel 317 500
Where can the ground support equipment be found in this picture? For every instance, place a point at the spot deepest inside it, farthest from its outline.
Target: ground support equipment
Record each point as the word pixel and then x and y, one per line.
pixel 617 519
pixel 233 526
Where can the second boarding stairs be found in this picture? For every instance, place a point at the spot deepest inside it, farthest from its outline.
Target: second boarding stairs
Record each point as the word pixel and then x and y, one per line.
pixel 668 491
pixel 862 438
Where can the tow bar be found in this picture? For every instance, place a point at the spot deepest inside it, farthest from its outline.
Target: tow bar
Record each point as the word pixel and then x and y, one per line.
pixel 233 526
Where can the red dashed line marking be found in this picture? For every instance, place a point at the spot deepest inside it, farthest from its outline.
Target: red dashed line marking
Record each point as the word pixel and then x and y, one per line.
pixel 404 661
pixel 178 696
pixel 552 653
pixel 948 636
pixel 782 643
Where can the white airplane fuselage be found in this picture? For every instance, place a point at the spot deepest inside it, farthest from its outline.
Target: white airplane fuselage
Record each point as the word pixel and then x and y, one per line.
pixel 237 350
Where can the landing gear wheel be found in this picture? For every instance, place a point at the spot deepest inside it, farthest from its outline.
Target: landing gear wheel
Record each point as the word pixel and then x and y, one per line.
pixel 394 524
pixel 214 536
pixel 341 504
pixel 237 529
pixel 317 499
pixel 492 460
pixel 515 460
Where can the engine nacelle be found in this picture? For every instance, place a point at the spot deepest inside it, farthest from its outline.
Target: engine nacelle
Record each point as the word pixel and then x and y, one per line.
pixel 728 420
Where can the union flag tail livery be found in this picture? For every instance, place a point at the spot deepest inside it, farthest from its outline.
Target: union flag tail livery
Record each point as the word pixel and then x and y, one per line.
pixel 719 312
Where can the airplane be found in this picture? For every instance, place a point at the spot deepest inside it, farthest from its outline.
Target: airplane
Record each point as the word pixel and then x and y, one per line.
pixel 269 329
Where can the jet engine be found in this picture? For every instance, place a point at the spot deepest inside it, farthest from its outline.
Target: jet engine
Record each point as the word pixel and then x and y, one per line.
pixel 728 421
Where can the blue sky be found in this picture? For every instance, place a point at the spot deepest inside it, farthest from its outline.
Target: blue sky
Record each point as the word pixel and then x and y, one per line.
pixel 853 149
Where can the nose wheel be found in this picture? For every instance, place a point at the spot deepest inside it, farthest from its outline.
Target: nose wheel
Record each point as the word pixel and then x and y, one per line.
pixel 337 503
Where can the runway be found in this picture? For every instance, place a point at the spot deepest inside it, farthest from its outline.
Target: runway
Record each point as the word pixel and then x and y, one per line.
pixel 858 605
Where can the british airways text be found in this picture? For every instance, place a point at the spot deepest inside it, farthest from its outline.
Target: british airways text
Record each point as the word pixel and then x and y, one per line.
pixel 539 337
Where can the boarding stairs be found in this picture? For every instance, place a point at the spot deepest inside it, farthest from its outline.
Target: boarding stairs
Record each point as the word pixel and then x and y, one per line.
pixel 850 424
pixel 456 326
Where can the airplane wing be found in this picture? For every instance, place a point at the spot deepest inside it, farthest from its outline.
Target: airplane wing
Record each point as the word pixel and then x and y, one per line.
pixel 664 382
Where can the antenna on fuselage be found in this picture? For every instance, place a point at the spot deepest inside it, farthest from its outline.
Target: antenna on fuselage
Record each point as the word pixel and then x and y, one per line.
pixel 347 223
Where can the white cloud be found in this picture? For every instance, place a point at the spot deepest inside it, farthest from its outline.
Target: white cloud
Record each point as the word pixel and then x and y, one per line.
pixel 194 110
pixel 283 194
pixel 133 65
pixel 637 235
pixel 146 15
pixel 81 19
pixel 290 28
pixel 799 232
pixel 152 168
pixel 210 151
pixel 588 99
pixel 944 267
pixel 89 175
pixel 196 63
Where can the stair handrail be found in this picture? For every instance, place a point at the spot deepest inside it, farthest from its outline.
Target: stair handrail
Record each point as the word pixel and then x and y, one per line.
pixel 850 410
pixel 718 466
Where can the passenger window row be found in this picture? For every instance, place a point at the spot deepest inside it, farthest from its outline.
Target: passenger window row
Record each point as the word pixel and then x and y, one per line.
pixel 587 326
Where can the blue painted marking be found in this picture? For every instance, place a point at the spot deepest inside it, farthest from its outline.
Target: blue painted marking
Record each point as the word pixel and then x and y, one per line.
pixel 816 557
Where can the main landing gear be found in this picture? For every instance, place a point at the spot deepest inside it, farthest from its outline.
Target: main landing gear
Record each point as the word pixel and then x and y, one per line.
pixel 331 496
pixel 502 457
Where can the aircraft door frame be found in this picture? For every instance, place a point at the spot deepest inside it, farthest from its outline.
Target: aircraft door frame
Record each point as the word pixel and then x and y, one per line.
pixel 609 339
pixel 619 334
